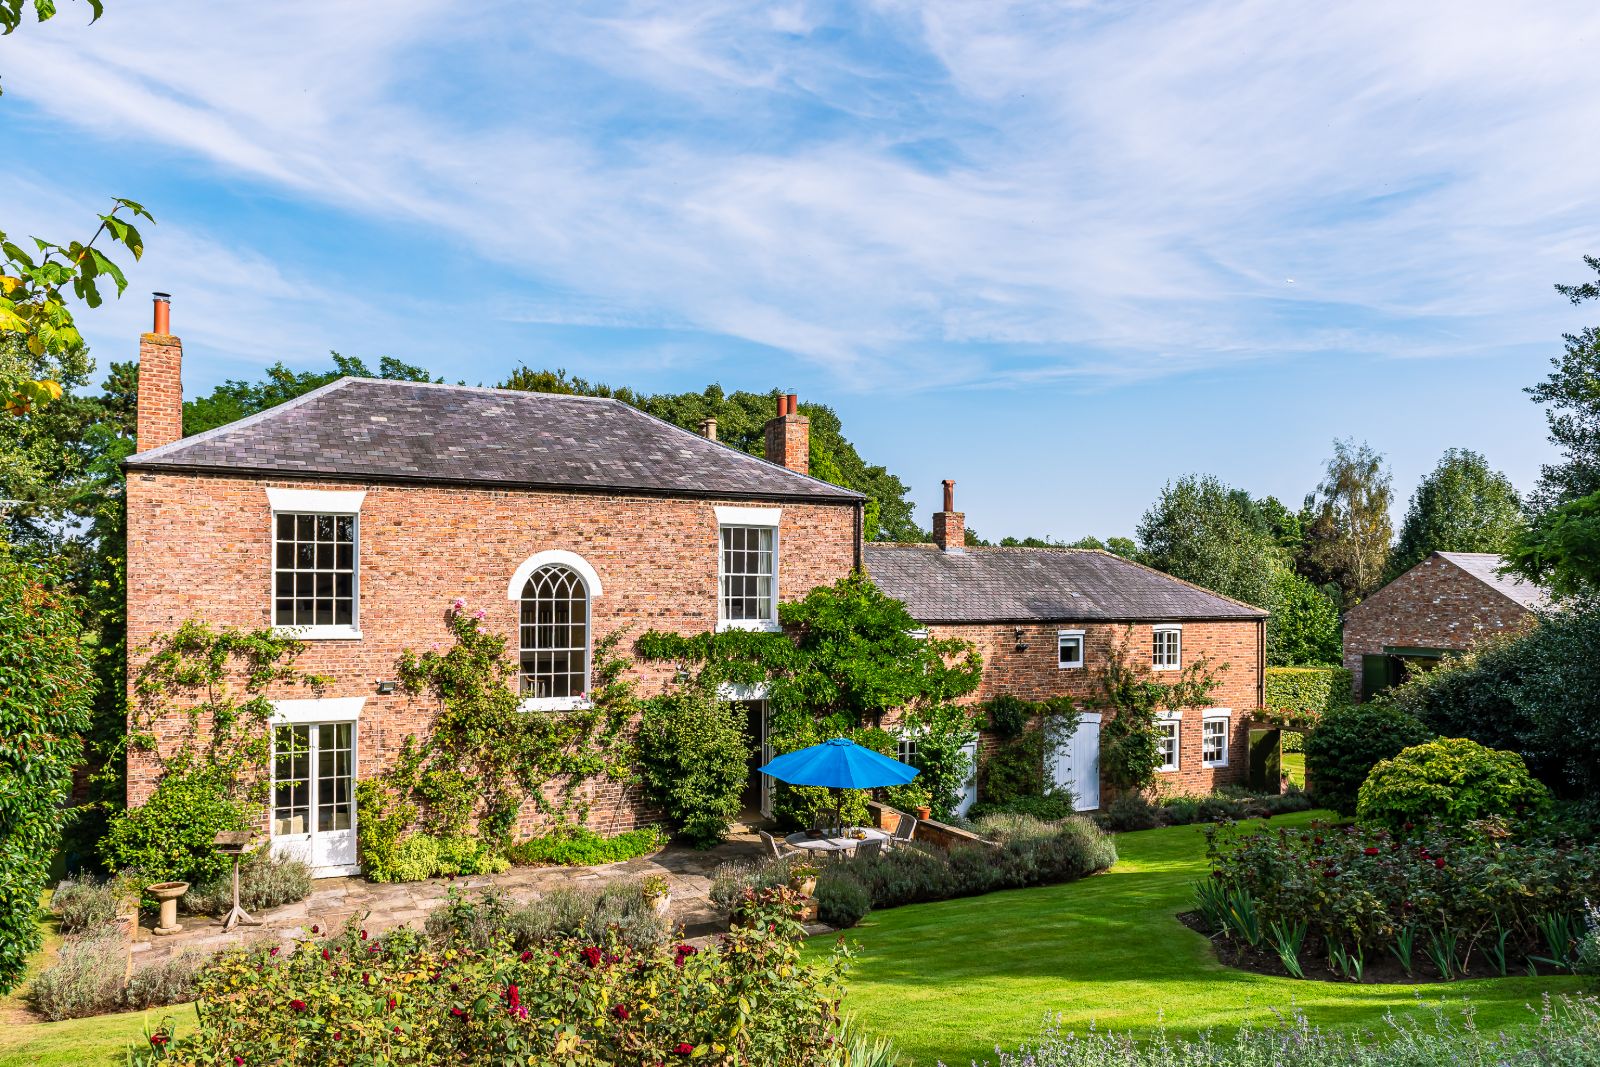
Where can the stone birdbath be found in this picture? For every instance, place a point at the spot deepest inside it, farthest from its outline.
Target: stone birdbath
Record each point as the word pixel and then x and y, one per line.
pixel 168 893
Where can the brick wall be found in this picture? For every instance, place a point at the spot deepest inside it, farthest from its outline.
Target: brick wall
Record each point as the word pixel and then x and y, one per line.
pixel 1033 674
pixel 199 546
pixel 1433 605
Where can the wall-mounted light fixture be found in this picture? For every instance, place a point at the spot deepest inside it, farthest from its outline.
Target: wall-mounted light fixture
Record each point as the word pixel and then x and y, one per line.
pixel 1022 646
pixel 386 685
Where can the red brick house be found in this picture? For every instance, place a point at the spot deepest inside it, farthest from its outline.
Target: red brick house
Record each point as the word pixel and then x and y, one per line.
pixel 354 515
pixel 1045 619
pixel 1445 604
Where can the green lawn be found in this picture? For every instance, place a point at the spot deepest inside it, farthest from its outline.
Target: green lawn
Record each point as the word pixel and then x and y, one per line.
pixel 1294 767
pixel 98 1042
pixel 950 981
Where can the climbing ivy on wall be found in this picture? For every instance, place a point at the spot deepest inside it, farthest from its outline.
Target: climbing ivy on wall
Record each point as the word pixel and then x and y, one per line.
pixel 1129 746
pixel 849 657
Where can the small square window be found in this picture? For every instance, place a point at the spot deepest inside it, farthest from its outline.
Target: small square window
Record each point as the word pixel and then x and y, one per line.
pixel 1167 648
pixel 1214 742
pixel 1167 743
pixel 1069 649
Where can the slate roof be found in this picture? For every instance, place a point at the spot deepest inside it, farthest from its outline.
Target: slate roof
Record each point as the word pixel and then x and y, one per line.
pixel 1484 566
pixel 367 428
pixel 1039 584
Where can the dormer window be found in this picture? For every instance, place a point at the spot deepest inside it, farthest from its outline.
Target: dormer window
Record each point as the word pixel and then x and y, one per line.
pixel 316 537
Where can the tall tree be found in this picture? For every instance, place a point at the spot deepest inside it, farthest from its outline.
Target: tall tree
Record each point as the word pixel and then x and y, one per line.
pixel 1207 533
pixel 741 423
pixel 1462 505
pixel 1561 547
pixel 1347 541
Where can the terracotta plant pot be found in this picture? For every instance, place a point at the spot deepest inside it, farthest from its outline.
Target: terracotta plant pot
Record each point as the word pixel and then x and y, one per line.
pixel 924 813
pixel 806 887
pixel 168 893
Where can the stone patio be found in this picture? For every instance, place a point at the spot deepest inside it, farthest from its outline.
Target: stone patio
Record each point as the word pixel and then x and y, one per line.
pixel 382 907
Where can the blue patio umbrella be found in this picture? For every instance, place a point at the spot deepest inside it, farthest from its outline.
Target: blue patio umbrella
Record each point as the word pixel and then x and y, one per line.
pixel 839 763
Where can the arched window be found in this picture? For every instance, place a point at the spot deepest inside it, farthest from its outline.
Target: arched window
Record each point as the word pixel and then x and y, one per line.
pixel 555 634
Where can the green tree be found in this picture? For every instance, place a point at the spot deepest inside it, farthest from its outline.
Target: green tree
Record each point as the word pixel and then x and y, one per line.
pixel 1304 630
pixel 237 398
pixel 46 685
pixel 741 423
pixel 1561 547
pixel 1205 532
pixel 1462 505
pixel 1347 541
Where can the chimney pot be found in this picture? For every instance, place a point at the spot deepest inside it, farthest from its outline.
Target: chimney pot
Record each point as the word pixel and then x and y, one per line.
pixel 708 429
pixel 783 405
pixel 794 405
pixel 949 494
pixel 163 313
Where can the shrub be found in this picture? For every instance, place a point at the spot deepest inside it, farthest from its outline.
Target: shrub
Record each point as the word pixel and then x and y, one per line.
pixel 1053 806
pixel 86 978
pixel 595 1000
pixel 85 904
pixel 1130 811
pixel 578 846
pixel 1453 780
pixel 1364 889
pixel 1306 691
pixel 169 838
pixel 1349 741
pixel 1012 826
pixel 693 756
pixel 48 687
pixel 172 981
pixel 1292 741
pixel 265 881
pixel 491 918
pixel 1536 693
pixel 842 900
pixel 1567 1031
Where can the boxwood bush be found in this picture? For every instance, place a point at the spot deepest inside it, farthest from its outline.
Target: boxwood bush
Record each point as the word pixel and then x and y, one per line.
pixel 1451 780
pixel 1308 690
pixel 1349 741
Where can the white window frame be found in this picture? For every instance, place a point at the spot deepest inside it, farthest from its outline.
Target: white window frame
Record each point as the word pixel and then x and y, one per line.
pixel 756 518
pixel 1166 628
pixel 1225 717
pixel 591 581
pixel 335 502
pixel 1061 638
pixel 1175 720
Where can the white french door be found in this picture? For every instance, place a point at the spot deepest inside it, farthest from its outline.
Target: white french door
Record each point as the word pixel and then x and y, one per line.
pixel 313 794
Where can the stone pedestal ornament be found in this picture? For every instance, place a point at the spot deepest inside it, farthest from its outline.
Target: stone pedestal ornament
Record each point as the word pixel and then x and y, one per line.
pixel 168 893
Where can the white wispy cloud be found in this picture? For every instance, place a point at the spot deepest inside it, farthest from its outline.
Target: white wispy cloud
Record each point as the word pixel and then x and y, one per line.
pixel 970 192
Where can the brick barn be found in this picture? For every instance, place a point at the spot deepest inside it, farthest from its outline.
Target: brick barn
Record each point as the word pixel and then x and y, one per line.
pixel 1045 620
pixel 353 516
pixel 1444 605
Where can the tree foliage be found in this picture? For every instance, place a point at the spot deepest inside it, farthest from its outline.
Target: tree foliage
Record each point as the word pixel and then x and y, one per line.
pixel 237 398
pixel 741 423
pixel 46 686
pixel 1462 505
pixel 1304 629
pixel 1347 540
pixel 1561 546
pixel 1536 693
pixel 1207 533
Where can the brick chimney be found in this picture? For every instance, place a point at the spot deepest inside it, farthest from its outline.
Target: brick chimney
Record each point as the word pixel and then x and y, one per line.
pixel 160 381
pixel 789 436
pixel 950 525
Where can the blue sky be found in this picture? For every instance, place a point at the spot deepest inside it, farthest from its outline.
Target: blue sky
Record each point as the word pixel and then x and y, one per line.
pixel 1061 253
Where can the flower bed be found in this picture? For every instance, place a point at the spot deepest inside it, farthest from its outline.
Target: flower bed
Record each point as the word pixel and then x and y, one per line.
pixel 1357 902
pixel 404 998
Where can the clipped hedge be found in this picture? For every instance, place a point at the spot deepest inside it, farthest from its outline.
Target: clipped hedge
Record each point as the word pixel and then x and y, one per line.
pixel 1306 691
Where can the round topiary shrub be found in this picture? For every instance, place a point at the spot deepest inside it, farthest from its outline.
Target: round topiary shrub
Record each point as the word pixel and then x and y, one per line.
pixel 1452 780
pixel 1349 741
